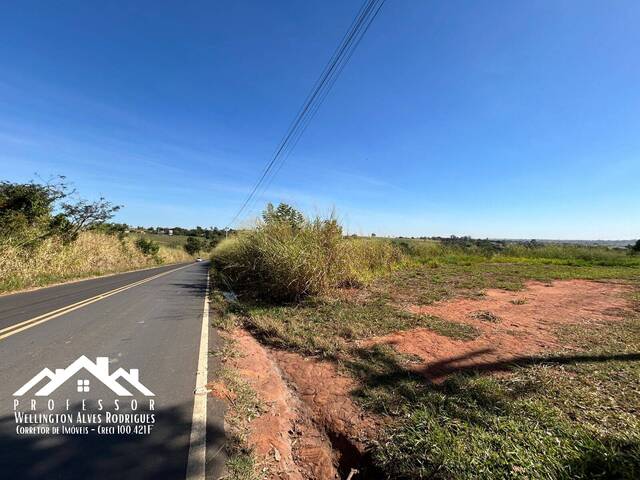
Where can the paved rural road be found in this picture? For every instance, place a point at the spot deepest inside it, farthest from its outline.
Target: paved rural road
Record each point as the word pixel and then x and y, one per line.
pixel 155 327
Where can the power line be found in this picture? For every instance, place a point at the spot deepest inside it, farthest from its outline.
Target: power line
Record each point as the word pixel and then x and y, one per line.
pixel 314 99
pixel 342 62
pixel 303 119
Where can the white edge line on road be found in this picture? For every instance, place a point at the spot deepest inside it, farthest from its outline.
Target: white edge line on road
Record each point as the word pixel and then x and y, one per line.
pixel 196 462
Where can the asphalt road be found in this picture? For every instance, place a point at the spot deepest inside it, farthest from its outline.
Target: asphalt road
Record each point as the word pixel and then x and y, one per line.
pixel 153 327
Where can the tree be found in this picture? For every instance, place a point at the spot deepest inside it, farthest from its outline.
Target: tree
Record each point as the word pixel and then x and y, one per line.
pixel 193 245
pixel 83 215
pixel 283 213
pixel 635 247
pixel 26 210
pixel 31 212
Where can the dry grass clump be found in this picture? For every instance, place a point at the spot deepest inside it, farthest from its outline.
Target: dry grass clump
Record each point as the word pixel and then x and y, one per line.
pixel 365 258
pixel 285 260
pixel 168 254
pixel 90 254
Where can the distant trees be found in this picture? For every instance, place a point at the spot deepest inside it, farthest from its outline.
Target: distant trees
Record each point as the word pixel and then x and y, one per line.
pixel 31 212
pixel 193 245
pixel 212 235
pixel 635 248
pixel 479 243
pixel 208 233
pixel 34 211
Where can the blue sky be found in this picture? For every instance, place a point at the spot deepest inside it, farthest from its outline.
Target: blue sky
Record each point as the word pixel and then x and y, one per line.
pixel 490 118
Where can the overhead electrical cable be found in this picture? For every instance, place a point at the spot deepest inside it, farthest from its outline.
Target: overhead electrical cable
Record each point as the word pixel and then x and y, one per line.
pixel 314 99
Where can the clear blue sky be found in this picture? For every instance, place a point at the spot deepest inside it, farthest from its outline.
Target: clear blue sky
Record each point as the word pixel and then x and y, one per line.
pixel 491 118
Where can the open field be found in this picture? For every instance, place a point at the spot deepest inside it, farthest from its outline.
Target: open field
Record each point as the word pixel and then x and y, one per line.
pixel 173 241
pixel 473 363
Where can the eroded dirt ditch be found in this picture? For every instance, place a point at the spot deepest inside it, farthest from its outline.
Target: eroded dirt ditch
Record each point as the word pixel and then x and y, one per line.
pixel 310 428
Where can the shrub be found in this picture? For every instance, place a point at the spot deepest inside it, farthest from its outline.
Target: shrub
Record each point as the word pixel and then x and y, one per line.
pixel 287 256
pixel 147 247
pixel 193 245
pixel 363 259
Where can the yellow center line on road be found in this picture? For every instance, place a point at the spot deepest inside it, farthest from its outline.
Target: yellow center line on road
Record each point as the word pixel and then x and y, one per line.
pixel 32 322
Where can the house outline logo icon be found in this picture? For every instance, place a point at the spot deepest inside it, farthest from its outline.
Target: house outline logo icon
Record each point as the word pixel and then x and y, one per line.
pixel 99 369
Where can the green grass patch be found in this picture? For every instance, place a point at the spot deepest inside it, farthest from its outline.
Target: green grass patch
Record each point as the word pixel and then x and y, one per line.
pixel 485 316
pixel 326 327
pixel 564 415
pixel 242 466
pixel 422 284
pixel 466 251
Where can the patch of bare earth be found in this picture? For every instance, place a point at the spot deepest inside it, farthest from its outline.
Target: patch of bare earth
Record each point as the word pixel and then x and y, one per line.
pixel 514 326
pixel 289 439
pixel 326 394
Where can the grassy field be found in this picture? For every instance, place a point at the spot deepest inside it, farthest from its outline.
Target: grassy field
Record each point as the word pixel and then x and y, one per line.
pixel 172 241
pixel 560 415
pixel 321 324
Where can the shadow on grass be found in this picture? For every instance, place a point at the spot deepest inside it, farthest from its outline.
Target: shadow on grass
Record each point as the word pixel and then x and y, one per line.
pixel 443 368
pixel 382 367
pixel 447 429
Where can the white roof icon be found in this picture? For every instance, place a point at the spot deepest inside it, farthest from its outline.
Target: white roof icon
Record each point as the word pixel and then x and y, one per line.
pixel 99 369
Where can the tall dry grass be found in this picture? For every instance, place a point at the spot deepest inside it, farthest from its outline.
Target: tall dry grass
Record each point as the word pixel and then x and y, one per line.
pixel 169 254
pixel 91 254
pixel 280 261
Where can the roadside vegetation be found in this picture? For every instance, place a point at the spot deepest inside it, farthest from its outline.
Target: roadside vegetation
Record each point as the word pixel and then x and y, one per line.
pixel 287 257
pixel 47 235
pixel 244 406
pixel 571 413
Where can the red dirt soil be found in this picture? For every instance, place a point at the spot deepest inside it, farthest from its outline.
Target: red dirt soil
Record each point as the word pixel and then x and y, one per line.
pixel 521 331
pixel 286 443
pixel 308 401
pixel 326 392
